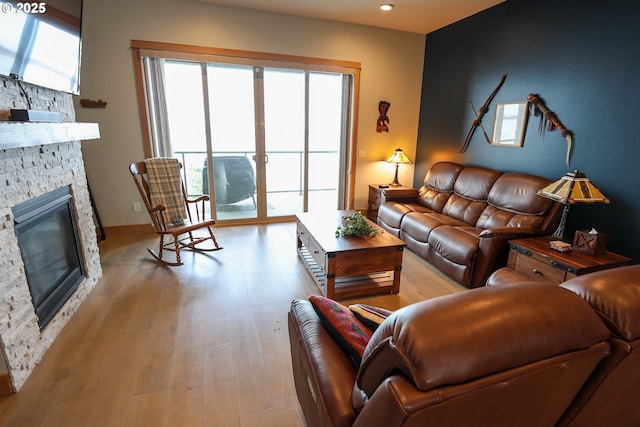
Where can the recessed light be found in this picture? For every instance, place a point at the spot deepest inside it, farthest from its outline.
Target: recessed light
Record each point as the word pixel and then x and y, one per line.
pixel 386 7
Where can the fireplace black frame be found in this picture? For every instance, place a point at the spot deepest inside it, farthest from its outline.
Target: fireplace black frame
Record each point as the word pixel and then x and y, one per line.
pixel 56 207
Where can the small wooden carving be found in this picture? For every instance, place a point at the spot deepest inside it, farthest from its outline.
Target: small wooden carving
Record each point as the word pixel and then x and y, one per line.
pixel 383 119
pixel 89 103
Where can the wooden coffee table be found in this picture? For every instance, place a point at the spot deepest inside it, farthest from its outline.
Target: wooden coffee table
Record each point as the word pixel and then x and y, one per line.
pixel 345 267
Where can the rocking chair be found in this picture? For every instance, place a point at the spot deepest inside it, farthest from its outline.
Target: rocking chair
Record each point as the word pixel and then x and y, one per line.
pixel 163 226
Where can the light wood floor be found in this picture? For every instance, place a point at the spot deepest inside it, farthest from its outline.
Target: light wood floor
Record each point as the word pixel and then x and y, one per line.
pixel 205 344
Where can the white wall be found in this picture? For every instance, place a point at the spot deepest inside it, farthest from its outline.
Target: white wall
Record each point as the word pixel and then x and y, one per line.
pixel 392 63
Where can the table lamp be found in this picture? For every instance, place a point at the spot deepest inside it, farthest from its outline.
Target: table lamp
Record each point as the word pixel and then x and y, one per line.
pixel 572 188
pixel 397 158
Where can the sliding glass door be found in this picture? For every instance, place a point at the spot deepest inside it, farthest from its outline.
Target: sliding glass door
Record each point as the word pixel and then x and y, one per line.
pixel 231 114
pixel 284 140
pixel 264 142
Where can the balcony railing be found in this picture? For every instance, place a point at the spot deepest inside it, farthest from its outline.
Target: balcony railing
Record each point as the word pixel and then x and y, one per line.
pixel 279 175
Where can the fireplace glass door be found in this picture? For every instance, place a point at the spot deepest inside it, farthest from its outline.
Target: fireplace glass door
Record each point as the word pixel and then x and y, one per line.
pixel 47 237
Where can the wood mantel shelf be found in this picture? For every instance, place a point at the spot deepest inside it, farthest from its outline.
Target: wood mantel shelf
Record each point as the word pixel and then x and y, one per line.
pixel 29 134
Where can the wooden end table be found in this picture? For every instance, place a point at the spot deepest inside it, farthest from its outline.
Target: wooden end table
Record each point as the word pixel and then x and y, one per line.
pixel 378 195
pixel 533 258
pixel 345 267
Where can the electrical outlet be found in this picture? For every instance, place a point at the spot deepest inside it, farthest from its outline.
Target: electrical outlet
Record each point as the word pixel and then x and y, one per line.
pixel 137 207
pixel 362 153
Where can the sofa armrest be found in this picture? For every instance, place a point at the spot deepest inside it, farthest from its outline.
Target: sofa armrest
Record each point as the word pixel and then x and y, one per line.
pixel 493 241
pixel 505 276
pixel 323 374
pixel 400 194
pixel 493 249
pixel 509 232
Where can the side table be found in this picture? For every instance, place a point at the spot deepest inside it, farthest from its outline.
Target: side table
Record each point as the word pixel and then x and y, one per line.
pixel 377 197
pixel 533 258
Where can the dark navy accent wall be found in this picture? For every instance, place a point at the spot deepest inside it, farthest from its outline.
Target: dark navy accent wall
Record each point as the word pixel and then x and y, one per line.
pixel 583 58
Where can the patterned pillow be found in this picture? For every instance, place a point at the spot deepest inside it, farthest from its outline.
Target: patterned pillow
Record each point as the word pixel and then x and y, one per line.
pixel 343 326
pixel 369 315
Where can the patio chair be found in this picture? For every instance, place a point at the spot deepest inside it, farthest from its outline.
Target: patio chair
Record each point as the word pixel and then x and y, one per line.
pixel 161 188
pixel 235 180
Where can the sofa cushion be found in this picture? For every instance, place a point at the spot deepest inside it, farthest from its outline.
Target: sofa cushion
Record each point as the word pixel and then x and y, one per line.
pixel 391 213
pixel 493 217
pixel 343 326
pixel 433 199
pixel 500 327
pixel 457 244
pixel 442 176
pixel 463 209
pixel 470 194
pixel 370 315
pixel 516 192
pixel 419 225
pixel 438 185
pixel 475 183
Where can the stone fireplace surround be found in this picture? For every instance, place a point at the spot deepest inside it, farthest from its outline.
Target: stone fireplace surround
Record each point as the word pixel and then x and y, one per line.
pixel 36 158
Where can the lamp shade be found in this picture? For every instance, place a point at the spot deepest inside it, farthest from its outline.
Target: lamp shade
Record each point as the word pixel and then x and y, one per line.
pixel 398 156
pixel 572 188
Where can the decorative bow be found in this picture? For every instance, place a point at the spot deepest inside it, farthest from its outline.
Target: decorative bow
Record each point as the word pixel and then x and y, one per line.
pixel 481 112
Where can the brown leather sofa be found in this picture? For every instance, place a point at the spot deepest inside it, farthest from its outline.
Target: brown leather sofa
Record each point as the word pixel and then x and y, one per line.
pixel 519 354
pixel 462 218
pixel 612 395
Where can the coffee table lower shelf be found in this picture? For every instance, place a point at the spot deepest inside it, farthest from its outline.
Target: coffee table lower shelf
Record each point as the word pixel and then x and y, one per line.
pixel 350 286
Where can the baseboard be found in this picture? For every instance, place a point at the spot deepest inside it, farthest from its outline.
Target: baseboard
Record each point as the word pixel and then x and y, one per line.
pixel 5 385
pixel 120 230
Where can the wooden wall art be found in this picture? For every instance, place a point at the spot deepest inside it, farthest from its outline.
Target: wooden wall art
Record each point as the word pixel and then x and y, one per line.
pixel 383 119
pixel 549 121
pixel 89 103
pixel 481 112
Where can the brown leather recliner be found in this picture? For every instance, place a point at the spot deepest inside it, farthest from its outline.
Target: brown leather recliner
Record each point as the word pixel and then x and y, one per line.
pixel 611 396
pixel 516 355
pixel 462 218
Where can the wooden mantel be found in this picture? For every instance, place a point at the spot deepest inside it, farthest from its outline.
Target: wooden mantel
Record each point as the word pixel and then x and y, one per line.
pixel 29 134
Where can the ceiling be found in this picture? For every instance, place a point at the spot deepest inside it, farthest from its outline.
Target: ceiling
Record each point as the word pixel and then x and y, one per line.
pixel 417 16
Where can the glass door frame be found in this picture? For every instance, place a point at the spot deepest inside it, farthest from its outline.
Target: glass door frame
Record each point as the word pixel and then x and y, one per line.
pixel 144 49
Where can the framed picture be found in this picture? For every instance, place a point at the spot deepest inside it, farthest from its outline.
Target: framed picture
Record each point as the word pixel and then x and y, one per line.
pixel 510 124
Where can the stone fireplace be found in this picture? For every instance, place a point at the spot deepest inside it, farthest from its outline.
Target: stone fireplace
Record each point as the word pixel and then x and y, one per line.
pixel 51 253
pixel 35 159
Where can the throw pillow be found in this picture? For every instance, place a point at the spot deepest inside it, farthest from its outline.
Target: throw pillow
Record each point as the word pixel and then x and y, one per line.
pixel 343 326
pixel 369 315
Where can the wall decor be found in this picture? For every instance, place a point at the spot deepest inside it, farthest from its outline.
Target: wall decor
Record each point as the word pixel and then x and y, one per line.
pixel 383 119
pixel 510 124
pixel 484 132
pixel 549 121
pixel 90 103
pixel 478 120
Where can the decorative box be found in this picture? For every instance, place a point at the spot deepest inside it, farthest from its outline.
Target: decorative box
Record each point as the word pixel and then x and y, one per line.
pixel 560 246
pixel 591 243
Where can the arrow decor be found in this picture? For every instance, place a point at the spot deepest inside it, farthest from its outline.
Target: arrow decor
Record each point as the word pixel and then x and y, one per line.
pixel 549 121
pixel 481 112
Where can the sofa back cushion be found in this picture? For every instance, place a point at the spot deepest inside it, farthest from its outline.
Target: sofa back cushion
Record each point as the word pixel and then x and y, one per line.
pixel 470 193
pixel 615 296
pixel 513 202
pixel 500 327
pixel 438 185
pixel 611 396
